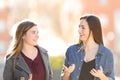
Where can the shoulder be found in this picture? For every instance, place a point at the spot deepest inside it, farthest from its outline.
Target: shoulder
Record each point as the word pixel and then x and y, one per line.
pixel 72 49
pixel 74 46
pixel 105 51
pixel 42 49
pixel 9 60
pixel 9 56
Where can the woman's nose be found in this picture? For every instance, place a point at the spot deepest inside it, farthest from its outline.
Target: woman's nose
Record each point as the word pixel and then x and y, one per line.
pixel 37 35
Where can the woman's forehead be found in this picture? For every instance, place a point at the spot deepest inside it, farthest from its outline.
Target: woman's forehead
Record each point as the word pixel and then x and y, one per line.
pixel 83 22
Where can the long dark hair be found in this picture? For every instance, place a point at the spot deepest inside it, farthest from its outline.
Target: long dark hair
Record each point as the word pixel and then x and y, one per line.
pixel 95 27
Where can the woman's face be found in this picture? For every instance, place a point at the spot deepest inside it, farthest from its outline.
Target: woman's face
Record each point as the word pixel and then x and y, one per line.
pixel 31 36
pixel 83 30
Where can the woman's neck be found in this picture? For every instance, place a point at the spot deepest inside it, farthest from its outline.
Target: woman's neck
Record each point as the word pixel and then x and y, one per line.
pixel 91 49
pixel 90 45
pixel 29 49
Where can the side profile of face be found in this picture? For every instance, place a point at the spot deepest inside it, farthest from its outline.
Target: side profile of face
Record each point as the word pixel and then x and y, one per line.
pixel 31 36
pixel 83 30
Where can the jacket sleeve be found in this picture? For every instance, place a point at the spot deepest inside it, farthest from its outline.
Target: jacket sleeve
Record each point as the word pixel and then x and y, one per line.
pixel 8 70
pixel 50 73
pixel 46 60
pixel 110 63
pixel 66 59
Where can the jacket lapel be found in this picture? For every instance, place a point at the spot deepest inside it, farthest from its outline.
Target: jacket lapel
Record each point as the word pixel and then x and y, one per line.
pixel 45 60
pixel 44 56
pixel 22 64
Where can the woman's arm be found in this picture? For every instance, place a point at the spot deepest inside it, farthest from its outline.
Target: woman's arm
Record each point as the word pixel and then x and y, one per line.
pixel 50 70
pixel 8 70
pixel 50 73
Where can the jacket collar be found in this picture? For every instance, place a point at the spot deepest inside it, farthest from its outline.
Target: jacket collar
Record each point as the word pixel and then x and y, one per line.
pixel 22 64
pixel 100 49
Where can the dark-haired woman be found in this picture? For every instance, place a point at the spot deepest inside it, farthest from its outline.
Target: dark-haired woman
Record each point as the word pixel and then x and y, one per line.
pixel 89 59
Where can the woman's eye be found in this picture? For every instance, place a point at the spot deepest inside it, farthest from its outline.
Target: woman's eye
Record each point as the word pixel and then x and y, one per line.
pixel 37 32
pixel 33 32
pixel 83 28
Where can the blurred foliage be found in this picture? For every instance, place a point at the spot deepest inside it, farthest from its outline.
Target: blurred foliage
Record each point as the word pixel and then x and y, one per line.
pixel 56 62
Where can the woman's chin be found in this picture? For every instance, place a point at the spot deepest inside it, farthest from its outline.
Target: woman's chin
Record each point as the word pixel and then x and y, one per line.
pixel 82 39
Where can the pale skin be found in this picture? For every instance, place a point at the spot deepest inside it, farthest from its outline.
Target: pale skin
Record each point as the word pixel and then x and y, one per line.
pixel 29 41
pixel 90 52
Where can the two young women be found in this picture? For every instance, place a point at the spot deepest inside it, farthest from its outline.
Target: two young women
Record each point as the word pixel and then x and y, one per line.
pixel 87 60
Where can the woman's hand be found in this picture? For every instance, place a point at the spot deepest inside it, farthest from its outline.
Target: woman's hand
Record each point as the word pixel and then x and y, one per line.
pixel 99 73
pixel 30 77
pixel 69 70
pixel 23 78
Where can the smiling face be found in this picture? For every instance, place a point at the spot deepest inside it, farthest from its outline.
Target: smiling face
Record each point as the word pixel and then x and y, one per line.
pixel 84 31
pixel 31 36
